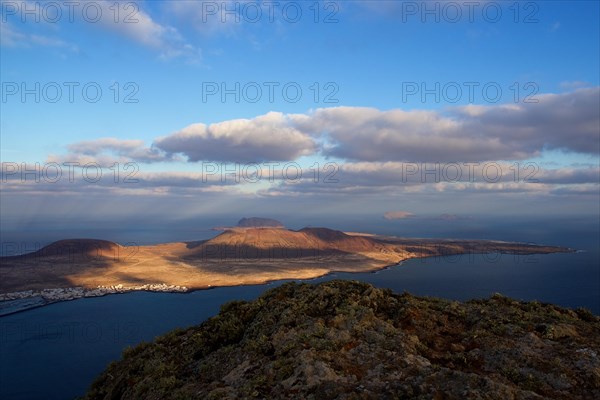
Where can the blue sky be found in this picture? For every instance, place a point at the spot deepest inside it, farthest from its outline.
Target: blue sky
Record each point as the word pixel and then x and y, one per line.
pixel 373 59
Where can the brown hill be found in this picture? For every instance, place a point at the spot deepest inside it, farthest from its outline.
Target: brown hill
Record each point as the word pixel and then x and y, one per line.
pixel 283 243
pixel 71 248
pixel 340 241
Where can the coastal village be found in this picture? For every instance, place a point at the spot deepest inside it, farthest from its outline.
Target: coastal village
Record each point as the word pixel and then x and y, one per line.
pixel 20 301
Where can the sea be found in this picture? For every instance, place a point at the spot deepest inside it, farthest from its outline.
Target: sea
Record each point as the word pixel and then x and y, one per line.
pixel 56 351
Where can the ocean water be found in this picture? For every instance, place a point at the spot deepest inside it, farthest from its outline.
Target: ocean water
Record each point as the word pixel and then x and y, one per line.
pixel 54 352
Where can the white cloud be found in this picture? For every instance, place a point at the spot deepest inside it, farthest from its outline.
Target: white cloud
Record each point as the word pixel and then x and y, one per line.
pixel 464 134
pixel 269 137
pixel 130 20
pixel 107 151
pixel 9 36
pixel 572 85
pixel 13 37
pixel 567 121
pixel 137 24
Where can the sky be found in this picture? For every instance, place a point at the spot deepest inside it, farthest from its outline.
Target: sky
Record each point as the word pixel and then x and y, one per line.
pixel 172 111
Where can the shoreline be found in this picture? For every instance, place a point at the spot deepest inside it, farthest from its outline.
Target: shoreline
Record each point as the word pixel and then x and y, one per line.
pixel 58 295
pixel 16 302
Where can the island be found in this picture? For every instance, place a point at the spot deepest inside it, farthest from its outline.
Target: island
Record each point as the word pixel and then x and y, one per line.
pixel 256 251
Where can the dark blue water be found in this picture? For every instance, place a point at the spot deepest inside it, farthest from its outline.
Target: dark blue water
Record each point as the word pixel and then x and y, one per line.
pixel 55 352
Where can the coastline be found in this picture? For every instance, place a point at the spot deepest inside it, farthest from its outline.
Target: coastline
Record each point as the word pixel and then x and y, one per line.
pixel 15 302
pixel 11 303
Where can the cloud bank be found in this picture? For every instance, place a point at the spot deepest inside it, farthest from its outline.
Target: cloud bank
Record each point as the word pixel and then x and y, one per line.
pixel 470 133
pixel 568 122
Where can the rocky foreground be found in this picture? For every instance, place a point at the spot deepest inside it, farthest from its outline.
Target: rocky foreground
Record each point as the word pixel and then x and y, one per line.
pixel 349 340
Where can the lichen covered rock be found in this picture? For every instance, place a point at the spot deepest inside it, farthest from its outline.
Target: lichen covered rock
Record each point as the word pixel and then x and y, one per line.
pixel 349 340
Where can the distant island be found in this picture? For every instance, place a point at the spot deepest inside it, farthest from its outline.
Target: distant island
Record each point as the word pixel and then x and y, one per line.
pixel 257 251
pixel 350 340
pixel 256 222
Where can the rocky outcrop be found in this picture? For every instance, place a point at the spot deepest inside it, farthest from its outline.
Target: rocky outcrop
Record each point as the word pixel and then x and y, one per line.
pixel 349 340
